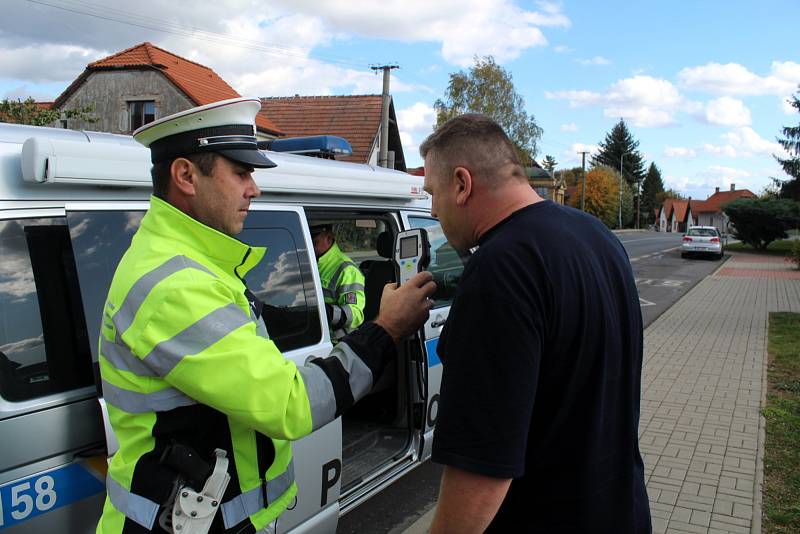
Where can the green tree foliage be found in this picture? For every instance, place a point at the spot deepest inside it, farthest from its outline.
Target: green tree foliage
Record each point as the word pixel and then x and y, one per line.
pixel 620 141
pixel 571 176
pixel 488 88
pixel 602 196
pixel 791 143
pixel 31 113
pixel 549 163
pixel 651 187
pixel 669 193
pixel 758 222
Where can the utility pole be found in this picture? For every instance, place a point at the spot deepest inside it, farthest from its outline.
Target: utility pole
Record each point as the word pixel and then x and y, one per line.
pixel 583 179
pixel 638 205
pixel 619 217
pixel 383 154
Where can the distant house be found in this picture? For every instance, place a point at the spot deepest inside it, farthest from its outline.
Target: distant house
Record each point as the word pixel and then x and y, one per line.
pixel 548 185
pixel 709 212
pixel 356 118
pixel 681 216
pixel 141 84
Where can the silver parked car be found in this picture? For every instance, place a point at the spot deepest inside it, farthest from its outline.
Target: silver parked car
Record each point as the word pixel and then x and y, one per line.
pixel 702 240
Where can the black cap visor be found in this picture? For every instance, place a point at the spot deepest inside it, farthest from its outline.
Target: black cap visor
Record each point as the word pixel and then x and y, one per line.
pixel 248 156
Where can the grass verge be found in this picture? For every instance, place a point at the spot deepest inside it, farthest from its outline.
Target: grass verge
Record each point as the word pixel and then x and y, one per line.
pixel 782 413
pixel 776 248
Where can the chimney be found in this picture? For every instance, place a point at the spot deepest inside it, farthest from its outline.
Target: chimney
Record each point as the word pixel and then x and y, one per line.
pixel 733 187
pixel 717 190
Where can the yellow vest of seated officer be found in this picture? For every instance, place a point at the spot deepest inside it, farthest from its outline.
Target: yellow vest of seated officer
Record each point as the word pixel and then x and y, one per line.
pixel 343 289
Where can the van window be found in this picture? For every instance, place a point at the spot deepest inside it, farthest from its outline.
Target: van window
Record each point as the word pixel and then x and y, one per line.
pixel 446 264
pixel 44 347
pixel 282 280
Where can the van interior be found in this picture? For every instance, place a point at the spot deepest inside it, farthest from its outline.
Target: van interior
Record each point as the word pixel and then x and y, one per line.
pixel 376 431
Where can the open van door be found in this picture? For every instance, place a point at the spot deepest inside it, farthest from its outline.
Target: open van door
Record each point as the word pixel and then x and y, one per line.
pixel 447 266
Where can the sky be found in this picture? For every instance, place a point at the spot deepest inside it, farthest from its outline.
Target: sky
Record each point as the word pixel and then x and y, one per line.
pixel 703 86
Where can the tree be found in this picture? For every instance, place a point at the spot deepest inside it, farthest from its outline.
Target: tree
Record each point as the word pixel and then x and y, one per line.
pixel 489 89
pixel 549 163
pixel 620 141
pixel 669 193
pixel 791 165
pixel 651 187
pixel 758 222
pixel 602 196
pixel 31 113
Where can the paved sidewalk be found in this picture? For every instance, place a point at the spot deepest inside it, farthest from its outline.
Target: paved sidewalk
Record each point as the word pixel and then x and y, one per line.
pixel 701 430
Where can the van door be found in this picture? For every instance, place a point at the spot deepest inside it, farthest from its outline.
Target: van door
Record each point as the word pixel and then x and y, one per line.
pixel 49 419
pixel 284 280
pixel 447 266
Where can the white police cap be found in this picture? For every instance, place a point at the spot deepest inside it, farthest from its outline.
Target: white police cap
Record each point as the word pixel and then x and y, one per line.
pixel 226 127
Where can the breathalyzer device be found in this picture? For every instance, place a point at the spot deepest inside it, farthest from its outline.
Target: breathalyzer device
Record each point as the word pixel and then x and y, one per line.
pixel 412 253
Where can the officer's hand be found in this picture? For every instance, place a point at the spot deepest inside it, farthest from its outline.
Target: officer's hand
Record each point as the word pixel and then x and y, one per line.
pixel 405 309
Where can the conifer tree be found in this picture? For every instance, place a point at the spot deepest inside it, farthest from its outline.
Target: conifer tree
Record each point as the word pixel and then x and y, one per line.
pixel 620 141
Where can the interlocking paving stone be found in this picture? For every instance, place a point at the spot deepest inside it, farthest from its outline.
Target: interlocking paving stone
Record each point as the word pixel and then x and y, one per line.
pixel 701 396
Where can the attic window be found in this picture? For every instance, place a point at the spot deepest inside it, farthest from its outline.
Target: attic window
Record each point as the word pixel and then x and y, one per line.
pixel 141 112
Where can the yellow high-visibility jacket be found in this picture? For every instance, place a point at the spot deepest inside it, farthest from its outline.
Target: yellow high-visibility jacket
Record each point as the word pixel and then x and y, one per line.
pixel 184 359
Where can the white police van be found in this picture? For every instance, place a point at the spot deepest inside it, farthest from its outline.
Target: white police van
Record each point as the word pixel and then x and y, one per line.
pixel 70 202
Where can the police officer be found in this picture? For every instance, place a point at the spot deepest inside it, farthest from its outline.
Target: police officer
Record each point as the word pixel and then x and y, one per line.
pixel 196 392
pixel 342 283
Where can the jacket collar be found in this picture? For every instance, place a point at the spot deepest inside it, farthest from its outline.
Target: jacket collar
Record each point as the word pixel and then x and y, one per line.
pixel 228 253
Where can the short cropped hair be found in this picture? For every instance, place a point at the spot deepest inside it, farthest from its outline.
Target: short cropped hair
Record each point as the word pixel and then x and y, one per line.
pixel 473 141
pixel 160 172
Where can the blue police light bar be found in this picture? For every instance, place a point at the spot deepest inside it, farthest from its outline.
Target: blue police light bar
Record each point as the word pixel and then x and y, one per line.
pixel 326 146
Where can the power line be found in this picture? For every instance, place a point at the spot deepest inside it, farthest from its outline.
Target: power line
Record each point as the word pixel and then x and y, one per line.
pixel 132 19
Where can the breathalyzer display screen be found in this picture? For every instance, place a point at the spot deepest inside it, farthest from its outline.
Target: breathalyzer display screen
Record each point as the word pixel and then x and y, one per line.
pixel 408 247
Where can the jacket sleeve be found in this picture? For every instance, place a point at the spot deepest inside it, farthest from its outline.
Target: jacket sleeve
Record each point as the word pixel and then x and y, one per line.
pixel 348 311
pixel 205 344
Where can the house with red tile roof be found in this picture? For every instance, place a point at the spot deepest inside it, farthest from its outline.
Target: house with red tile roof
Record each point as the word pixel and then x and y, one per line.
pixel 677 215
pixel 709 212
pixel 141 84
pixel 356 118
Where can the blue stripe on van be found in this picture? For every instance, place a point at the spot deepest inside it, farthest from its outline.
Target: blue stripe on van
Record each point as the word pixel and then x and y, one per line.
pixel 33 496
pixel 433 356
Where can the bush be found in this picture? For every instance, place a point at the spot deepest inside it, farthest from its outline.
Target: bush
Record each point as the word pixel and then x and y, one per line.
pixel 758 222
pixel 796 253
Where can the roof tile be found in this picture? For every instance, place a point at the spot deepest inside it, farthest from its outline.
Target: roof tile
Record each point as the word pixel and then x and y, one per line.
pixel 353 117
pixel 201 84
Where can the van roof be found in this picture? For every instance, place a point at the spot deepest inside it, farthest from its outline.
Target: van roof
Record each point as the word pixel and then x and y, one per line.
pixel 50 163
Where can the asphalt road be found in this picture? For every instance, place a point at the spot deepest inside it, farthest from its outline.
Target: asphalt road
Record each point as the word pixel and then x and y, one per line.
pixel 662 277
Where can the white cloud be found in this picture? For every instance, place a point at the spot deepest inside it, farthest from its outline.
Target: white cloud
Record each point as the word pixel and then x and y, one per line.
pixel 596 60
pixel 679 152
pixel 569 127
pixel 561 49
pixel 642 100
pixel 416 123
pixel 734 79
pixel 45 62
pixel 727 111
pixel 720 150
pixel 787 107
pixel 572 157
pixel 744 142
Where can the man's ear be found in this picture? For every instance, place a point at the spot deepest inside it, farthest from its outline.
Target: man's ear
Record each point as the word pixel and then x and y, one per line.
pixel 462 179
pixel 183 175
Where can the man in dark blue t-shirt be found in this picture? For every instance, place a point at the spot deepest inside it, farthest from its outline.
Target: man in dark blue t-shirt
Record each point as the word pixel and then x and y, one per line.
pixel 542 353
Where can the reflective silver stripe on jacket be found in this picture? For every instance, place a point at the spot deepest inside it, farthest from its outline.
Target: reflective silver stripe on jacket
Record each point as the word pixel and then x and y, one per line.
pixel 350 288
pixel 337 314
pixel 360 376
pixel 319 391
pixel 136 296
pixel 338 273
pixel 139 509
pixel 134 402
pixel 196 338
pixel 123 359
pixel 251 502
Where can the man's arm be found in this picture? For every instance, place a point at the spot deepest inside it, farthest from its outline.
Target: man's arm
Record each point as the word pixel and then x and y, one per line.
pixel 467 501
